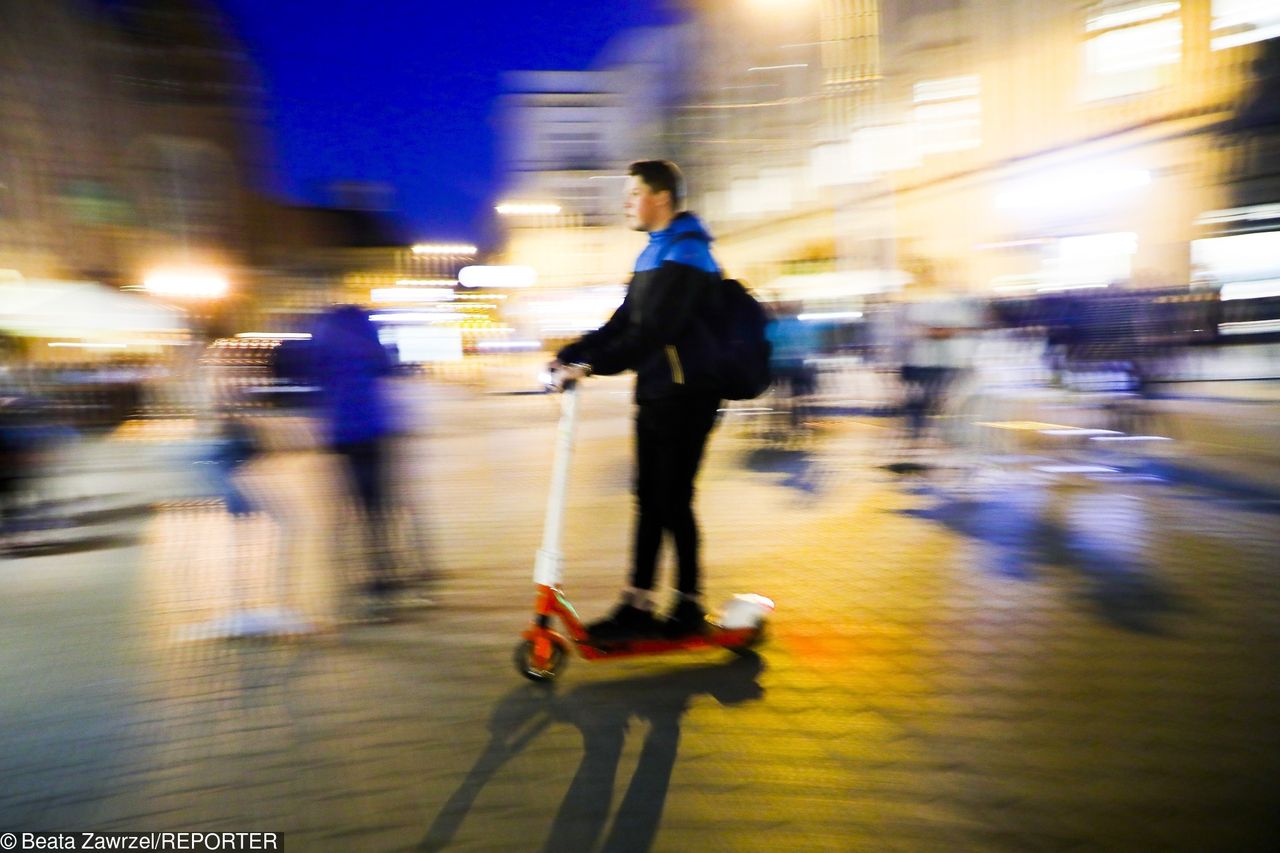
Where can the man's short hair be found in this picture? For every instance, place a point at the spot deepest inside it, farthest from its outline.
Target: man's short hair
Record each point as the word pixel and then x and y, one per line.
pixel 659 175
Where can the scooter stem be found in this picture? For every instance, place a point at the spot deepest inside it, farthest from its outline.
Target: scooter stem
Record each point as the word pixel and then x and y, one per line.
pixel 547 567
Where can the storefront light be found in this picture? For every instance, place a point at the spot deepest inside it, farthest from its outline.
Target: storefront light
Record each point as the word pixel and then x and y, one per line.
pixel 418 317
pixel 86 345
pixel 500 277
pixel 464 249
pixel 1247 265
pixel 409 294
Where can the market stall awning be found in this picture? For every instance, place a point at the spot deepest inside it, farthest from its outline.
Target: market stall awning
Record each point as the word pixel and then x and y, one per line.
pixel 81 309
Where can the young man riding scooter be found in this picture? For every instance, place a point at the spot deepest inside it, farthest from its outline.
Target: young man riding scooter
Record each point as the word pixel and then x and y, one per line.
pixel 660 331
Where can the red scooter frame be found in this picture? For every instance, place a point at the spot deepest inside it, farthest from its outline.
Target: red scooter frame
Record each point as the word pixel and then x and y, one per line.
pixel 543 652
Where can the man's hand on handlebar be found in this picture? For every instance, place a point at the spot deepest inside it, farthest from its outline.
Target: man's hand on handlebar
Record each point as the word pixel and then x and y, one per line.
pixel 558 375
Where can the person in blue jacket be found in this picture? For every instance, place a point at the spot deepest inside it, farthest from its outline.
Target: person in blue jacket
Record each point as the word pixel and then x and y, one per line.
pixel 661 331
pixel 350 364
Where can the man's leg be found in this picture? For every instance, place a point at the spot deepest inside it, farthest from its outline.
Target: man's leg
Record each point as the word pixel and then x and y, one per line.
pixel 366 465
pixel 633 615
pixel 696 420
pixel 696 423
pixel 650 442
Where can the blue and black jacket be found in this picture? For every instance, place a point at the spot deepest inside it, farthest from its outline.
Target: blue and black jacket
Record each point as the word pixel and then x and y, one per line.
pixel 661 328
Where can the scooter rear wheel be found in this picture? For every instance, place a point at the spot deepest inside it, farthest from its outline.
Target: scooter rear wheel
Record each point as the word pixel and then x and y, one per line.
pixel 542 671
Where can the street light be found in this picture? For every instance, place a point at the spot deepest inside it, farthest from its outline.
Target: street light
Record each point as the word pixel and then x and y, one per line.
pixel 187 283
pixel 444 249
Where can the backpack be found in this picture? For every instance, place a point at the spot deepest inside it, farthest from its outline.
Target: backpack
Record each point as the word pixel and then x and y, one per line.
pixel 742 350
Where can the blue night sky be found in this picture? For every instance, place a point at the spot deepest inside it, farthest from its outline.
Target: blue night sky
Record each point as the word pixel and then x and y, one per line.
pixel 404 91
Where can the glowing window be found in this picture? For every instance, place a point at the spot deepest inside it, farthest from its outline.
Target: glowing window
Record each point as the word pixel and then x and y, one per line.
pixel 1130 47
pixel 1237 22
pixel 948 114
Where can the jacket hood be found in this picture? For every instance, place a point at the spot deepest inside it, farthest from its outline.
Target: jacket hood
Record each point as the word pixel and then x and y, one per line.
pixel 686 241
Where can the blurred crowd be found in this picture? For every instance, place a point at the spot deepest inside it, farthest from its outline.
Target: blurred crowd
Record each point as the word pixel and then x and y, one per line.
pixel 334 369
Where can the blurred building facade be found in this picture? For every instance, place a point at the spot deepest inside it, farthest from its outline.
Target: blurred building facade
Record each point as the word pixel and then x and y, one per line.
pixel 567 137
pixel 842 148
pixel 991 145
pixel 132 140
pixel 1063 146
pixel 782 93
pixel 127 139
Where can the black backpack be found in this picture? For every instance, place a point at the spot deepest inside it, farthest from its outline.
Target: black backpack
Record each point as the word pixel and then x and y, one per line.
pixel 742 352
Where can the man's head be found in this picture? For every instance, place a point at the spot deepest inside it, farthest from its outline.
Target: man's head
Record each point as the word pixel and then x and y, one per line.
pixel 655 194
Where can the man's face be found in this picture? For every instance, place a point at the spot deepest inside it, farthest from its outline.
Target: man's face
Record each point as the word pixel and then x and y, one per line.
pixel 645 210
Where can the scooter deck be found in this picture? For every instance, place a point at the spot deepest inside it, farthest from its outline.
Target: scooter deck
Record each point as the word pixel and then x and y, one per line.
pixel 717 638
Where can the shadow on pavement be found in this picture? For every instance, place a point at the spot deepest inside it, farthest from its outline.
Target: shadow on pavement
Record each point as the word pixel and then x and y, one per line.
pixel 602 713
pixel 1105 545
pixel 797 466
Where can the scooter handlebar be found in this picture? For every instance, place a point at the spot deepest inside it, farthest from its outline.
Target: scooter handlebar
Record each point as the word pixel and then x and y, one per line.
pixel 554 381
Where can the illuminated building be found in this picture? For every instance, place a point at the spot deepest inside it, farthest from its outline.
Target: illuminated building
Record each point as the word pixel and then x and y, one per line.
pixel 844 148
pixel 780 93
pixel 995 146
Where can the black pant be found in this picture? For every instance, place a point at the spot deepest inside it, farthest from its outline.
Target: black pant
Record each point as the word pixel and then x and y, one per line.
pixel 366 464
pixel 670 437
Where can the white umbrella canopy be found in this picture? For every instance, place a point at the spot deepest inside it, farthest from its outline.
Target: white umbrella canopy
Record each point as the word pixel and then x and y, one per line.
pixel 81 309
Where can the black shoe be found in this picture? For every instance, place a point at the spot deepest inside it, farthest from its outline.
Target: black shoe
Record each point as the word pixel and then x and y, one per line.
pixel 626 622
pixel 688 618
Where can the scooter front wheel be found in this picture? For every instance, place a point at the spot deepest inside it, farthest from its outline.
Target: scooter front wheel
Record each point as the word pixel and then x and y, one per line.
pixel 531 667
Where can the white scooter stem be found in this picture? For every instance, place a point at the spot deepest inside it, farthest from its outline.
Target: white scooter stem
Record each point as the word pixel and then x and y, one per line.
pixel 546 569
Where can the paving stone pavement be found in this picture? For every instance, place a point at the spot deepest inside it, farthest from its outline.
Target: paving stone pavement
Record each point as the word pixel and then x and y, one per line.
pixel 1011 664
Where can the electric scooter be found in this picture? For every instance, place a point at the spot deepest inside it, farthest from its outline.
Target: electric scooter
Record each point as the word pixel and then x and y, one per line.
pixel 543 653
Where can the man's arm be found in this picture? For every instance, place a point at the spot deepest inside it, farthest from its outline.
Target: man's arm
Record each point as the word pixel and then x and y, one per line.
pixel 583 349
pixel 668 307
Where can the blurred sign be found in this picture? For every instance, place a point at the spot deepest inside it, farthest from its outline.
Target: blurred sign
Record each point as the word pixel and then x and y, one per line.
pixel 500 277
pixel 423 344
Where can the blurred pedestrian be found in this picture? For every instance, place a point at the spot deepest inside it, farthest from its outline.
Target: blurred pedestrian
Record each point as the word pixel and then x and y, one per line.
pixel 29 434
pixel 13 452
pixel 940 340
pixel 661 332
pixel 233 445
pixel 350 365
pixel 795 378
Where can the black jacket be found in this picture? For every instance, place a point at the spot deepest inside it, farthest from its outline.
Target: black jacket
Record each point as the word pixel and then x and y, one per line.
pixel 661 330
